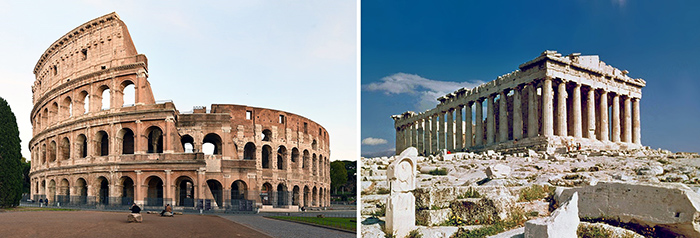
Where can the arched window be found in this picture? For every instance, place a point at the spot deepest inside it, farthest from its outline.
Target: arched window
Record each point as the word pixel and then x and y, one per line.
pixel 127 136
pixel 185 192
pixel 266 151
pixel 129 94
pixel 67 108
pixel 282 194
pixel 314 145
pixel 295 155
pixel 105 98
pixel 313 164
pixel 249 151
pixel 102 147
pixel 54 113
pixel 187 143
pixel 281 157
pixel 103 193
pixel 43 154
pixel 305 162
pixel 155 140
pixel 52 151
pixel 211 144
pixel 82 145
pixel 239 190
pixel 65 148
pixel 85 101
pixel 267 135
pixel 266 194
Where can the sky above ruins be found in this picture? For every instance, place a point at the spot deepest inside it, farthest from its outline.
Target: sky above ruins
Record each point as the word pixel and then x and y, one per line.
pixel 416 51
pixel 291 56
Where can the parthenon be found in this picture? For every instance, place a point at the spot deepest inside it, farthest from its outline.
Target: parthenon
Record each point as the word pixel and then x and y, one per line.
pixel 552 102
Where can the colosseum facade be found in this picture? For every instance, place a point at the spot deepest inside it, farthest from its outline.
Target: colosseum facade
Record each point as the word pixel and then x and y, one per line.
pixel 89 148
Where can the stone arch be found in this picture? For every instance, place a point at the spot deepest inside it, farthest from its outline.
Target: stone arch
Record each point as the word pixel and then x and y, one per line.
pixel 320 165
pixel 54 113
pixel 154 196
pixel 187 143
pixel 295 195
pixel 281 157
pixel 282 195
pixel 45 117
pixel 155 139
pixel 105 94
pixel 295 154
pixel 102 187
pixel 43 154
pixel 239 190
pixel 65 148
pixel 249 151
pixel 82 145
pixel 67 108
pixel 52 151
pixel 102 145
pixel 307 196
pixel 267 135
pixel 184 191
pixel 305 160
pixel 37 121
pixel 127 138
pixel 214 140
pixel 64 190
pixel 266 194
pixel 127 190
pixel 83 102
pixel 314 197
pixel 127 95
pixel 266 152
pixel 81 189
pixel 52 191
pixel 313 164
pixel 217 191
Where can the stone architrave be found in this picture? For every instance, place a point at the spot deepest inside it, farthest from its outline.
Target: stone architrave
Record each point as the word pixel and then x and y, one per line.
pixel 401 204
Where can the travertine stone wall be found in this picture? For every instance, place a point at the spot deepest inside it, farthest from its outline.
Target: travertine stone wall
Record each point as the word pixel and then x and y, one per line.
pixel 551 102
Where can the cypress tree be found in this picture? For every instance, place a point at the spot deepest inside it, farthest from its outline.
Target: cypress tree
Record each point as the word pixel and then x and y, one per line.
pixel 10 158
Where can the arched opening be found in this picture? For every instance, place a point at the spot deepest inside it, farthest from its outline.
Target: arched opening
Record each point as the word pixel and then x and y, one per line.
pixel 314 197
pixel 216 191
pixel 82 145
pixel 63 192
pixel 102 147
pixel 129 94
pixel 105 98
pixel 185 192
pixel 314 145
pixel 67 108
pixel 320 165
pixel 313 164
pixel 127 191
pixel 295 195
pixel 54 113
pixel 295 155
pixel 80 196
pixel 43 154
pixel 65 149
pixel 38 121
pixel 307 195
pixel 266 193
pixel 52 191
pixel 155 140
pixel 52 151
pixel 282 195
pixel 305 162
pixel 85 101
pixel 45 117
pixel 281 157
pixel 187 143
pixel 239 190
pixel 211 144
pixel 266 151
pixel 103 193
pixel 127 136
pixel 155 191
pixel 249 151
pixel 267 135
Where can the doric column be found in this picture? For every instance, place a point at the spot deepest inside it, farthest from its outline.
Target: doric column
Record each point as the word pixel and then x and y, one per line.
pixel 468 123
pixel 603 111
pixel 636 123
pixel 409 135
pixel 616 118
pixel 517 113
pixel 533 121
pixel 399 139
pixel 419 144
pixel 547 108
pixel 576 106
pixel 590 120
pixel 450 130
pixel 561 128
pixel 479 134
pixel 459 143
pixel 627 129
pixel 434 130
pixel 503 117
pixel 414 135
pixel 426 135
pixel 441 131
pixel 490 121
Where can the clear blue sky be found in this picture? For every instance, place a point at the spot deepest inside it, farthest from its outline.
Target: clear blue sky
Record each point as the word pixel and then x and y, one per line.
pixel 414 51
pixel 299 57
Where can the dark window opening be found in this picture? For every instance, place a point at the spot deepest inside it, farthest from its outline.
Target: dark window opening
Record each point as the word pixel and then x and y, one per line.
pixel 155 141
pixel 267 135
pixel 306 128
pixel 84 51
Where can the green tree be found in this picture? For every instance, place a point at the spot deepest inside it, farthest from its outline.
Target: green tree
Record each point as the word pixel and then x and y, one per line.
pixel 10 158
pixel 339 176
pixel 26 166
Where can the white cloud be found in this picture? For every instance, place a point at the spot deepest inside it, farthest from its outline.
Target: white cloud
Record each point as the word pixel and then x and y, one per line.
pixel 373 141
pixel 427 89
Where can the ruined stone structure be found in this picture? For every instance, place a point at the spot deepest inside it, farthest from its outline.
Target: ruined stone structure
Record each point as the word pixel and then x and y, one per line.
pixel 88 147
pixel 551 102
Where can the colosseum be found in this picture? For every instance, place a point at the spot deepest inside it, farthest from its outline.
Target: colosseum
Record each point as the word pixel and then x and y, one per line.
pixel 89 148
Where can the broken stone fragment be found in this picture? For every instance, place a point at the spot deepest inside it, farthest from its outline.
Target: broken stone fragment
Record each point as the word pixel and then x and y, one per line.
pixel 497 171
pixel 562 223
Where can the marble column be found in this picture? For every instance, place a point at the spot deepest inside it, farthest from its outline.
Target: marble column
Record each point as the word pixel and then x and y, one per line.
pixel 419 143
pixel 479 133
pixel 468 123
pixel 490 121
pixel 434 131
pixel 427 136
pixel 399 139
pixel 576 106
pixel 517 114
pixel 561 127
pixel 603 111
pixel 616 118
pixel 590 119
pixel 414 135
pixel 532 115
pixel 459 143
pixel 503 117
pixel 636 123
pixel 409 136
pixel 627 129
pixel 547 108
pixel 441 131
pixel 450 130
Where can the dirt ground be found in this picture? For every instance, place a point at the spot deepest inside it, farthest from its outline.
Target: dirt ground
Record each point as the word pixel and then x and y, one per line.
pixel 113 224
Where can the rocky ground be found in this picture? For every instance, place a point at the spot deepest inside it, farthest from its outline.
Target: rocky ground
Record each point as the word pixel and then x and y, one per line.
pixel 479 191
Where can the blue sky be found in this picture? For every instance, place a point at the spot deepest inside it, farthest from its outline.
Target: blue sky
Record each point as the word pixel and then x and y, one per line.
pixel 299 57
pixel 415 51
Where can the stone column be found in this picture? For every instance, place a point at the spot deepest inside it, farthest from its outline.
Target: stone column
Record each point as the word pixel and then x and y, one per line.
pixel 503 116
pixel 561 121
pixel 459 143
pixel 532 115
pixel 603 111
pixel 576 105
pixel 490 121
pixel 590 105
pixel 414 135
pixel 138 144
pixel 627 129
pixel 138 188
pixel 426 135
pixel 616 118
pixel 399 139
pixel 468 122
pixel 168 191
pixel 450 130
pixel 547 108
pixel 441 131
pixel 479 134
pixel 517 113
pixel 636 123
pixel 419 143
pixel 434 130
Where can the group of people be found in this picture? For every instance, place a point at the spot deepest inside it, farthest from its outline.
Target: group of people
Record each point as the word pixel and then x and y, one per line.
pixel 44 202
pixel 136 209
